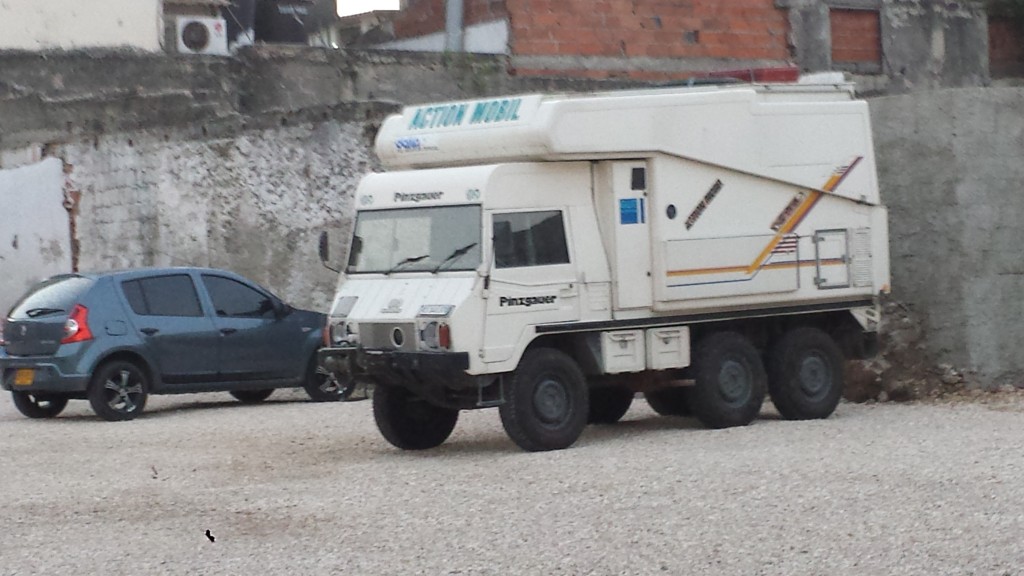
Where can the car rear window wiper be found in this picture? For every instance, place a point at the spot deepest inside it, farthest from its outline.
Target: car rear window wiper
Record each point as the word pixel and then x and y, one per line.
pixel 36 312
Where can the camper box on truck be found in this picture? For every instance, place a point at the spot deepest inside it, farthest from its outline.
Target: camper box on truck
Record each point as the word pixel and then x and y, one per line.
pixel 555 255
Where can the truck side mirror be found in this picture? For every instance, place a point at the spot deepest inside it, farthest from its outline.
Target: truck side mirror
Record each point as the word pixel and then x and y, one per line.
pixel 325 251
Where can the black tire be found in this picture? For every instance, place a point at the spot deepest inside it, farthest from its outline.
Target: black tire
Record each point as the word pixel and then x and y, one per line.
pixel 322 386
pixel 252 396
pixel 608 404
pixel 805 374
pixel 546 401
pixel 669 401
pixel 38 405
pixel 118 391
pixel 410 422
pixel 730 381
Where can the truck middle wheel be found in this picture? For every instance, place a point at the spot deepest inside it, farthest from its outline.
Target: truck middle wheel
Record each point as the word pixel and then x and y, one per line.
pixel 546 401
pixel 730 381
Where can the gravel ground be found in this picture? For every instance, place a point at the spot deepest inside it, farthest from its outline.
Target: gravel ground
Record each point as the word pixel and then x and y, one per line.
pixel 291 487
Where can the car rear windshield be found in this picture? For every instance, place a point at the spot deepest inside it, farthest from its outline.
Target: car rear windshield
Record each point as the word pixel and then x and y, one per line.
pixel 52 296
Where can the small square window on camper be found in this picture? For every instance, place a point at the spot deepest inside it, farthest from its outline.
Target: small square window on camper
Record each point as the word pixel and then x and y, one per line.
pixel 529 239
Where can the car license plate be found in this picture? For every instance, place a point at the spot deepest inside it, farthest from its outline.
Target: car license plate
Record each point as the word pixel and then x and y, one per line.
pixel 23 377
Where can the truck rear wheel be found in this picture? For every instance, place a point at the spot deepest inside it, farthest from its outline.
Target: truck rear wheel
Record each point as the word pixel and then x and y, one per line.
pixel 805 374
pixel 669 401
pixel 410 422
pixel 546 402
pixel 730 381
pixel 608 404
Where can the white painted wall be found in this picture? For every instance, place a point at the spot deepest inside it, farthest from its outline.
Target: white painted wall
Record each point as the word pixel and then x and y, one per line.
pixel 71 24
pixel 35 238
pixel 485 38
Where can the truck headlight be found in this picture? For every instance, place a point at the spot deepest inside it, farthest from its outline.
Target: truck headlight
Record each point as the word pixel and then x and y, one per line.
pixel 338 330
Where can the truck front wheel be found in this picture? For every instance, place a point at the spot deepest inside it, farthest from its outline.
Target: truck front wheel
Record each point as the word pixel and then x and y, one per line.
pixel 546 401
pixel 410 422
pixel 730 381
pixel 805 374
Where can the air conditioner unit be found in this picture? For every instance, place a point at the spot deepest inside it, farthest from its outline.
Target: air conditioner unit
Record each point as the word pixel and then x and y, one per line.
pixel 198 35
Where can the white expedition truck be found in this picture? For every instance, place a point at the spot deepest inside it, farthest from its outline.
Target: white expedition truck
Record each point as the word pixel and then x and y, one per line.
pixel 553 255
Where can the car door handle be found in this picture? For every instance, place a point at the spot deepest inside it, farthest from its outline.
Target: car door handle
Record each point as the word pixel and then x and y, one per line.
pixel 228 331
pixel 149 331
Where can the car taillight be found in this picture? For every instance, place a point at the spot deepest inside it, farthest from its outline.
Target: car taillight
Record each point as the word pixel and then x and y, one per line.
pixel 76 328
pixel 326 336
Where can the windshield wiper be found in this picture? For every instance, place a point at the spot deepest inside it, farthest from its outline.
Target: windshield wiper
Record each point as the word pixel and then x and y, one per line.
pixel 408 260
pixel 458 253
pixel 36 312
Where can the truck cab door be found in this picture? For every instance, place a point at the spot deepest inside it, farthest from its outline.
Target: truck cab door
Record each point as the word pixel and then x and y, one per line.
pixel 533 278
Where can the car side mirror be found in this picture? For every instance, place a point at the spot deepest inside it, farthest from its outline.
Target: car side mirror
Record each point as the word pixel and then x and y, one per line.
pixel 324 249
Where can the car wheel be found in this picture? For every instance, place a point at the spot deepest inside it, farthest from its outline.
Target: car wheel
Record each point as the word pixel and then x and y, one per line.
pixel 608 404
pixel 118 391
pixel 323 386
pixel 39 405
pixel 730 381
pixel 805 374
pixel 669 401
pixel 410 422
pixel 252 396
pixel 546 402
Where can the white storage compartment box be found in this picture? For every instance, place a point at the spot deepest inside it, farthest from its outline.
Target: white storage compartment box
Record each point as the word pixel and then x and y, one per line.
pixel 668 347
pixel 622 351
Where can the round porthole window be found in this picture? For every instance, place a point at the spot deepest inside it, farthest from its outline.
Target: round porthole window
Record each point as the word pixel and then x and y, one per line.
pixel 671 211
pixel 397 337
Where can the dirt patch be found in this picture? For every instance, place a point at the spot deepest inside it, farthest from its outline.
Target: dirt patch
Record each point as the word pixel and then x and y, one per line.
pixel 903 370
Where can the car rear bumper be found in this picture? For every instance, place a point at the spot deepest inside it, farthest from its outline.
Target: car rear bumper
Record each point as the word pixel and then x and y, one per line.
pixel 47 375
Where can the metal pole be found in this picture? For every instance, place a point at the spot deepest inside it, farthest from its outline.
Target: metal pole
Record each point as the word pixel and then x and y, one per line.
pixel 453 26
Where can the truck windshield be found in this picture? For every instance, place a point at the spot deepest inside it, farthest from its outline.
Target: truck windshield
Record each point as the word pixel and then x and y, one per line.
pixel 434 239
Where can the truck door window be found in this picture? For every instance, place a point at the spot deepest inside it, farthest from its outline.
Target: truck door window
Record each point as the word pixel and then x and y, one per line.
pixel 529 239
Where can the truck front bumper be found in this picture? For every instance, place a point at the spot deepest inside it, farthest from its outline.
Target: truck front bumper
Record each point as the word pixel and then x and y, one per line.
pixel 392 364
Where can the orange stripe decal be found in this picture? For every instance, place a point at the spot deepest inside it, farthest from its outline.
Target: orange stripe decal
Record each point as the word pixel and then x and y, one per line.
pixel 787 227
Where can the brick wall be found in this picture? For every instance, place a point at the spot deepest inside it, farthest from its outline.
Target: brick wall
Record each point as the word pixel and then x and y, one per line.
pixel 728 30
pixel 421 17
pixel 1006 46
pixel 856 36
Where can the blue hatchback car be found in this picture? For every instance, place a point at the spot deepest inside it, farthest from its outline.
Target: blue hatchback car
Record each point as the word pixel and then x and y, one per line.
pixel 114 338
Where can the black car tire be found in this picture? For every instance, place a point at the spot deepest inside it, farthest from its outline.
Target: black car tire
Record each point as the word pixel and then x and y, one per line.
pixel 252 396
pixel 322 386
pixel 608 404
pixel 730 381
pixel 410 422
pixel 38 405
pixel 669 401
pixel 805 374
pixel 546 401
pixel 118 391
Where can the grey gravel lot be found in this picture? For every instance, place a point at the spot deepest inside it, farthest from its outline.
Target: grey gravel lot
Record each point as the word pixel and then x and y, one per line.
pixel 291 487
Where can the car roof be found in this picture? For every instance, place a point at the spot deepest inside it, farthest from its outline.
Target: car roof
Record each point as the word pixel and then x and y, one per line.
pixel 156 271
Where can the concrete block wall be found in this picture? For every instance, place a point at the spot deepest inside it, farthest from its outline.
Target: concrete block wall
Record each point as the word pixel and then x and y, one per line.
pixel 950 172
pixel 254 202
